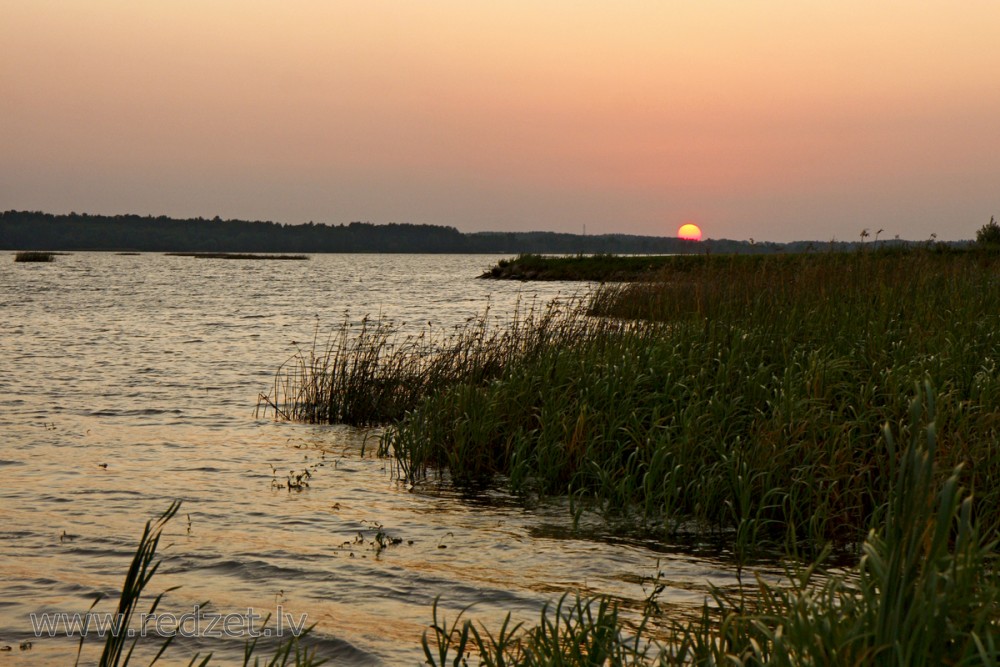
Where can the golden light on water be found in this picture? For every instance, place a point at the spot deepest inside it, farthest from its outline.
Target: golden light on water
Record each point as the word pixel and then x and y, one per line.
pixel 689 232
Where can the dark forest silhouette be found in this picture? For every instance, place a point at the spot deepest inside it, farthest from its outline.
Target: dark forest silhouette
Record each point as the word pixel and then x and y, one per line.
pixel 34 230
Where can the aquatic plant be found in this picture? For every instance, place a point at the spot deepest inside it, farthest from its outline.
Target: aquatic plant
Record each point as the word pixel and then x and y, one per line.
pixel 925 591
pixel 233 255
pixel 31 256
pixel 370 373
pixel 749 405
pixel 598 267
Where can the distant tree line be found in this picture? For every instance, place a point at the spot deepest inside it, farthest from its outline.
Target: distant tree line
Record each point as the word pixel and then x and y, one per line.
pixel 34 230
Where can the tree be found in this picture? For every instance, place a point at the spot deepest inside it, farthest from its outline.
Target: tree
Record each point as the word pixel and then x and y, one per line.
pixel 989 234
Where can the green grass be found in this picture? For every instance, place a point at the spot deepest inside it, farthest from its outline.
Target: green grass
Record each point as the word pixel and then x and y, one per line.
pixel 752 406
pixel 925 591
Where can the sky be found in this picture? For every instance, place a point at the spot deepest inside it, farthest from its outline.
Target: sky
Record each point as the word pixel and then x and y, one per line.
pixel 774 120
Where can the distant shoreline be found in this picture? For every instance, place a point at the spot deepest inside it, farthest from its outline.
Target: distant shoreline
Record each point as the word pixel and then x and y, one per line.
pixel 34 230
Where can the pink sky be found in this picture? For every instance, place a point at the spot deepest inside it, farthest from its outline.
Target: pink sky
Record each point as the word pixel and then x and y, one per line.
pixel 774 120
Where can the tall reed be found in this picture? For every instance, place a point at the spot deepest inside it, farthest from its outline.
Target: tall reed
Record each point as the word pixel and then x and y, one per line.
pixel 371 373
pixel 925 591
pixel 751 407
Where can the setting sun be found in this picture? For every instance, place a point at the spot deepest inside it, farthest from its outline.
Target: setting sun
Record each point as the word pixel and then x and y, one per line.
pixel 689 232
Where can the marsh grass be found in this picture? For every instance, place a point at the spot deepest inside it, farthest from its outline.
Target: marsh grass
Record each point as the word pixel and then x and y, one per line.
pixel 597 268
pixel 741 397
pixel 370 373
pixel 925 591
pixel 750 404
pixel 33 256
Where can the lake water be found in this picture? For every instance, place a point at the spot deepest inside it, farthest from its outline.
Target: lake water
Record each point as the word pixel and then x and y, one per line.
pixel 130 381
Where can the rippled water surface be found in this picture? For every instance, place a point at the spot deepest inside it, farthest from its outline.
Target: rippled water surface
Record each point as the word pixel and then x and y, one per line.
pixel 131 381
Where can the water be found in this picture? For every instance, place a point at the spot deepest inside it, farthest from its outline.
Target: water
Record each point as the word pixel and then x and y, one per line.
pixel 131 381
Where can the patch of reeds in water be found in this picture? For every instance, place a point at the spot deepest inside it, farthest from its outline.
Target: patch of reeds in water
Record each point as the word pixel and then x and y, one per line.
pixel 751 409
pixel 234 255
pixel 742 397
pixel 599 267
pixel 369 373
pixel 34 256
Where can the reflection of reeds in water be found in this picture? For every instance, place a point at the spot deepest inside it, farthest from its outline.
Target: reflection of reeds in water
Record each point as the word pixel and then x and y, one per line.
pixel 373 374
pixel 34 256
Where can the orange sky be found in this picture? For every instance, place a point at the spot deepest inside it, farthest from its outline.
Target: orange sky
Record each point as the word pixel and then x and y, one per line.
pixel 774 120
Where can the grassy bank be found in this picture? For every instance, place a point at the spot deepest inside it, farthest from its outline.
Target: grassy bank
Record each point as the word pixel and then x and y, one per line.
pixel 594 268
pixel 752 406
pixel 924 592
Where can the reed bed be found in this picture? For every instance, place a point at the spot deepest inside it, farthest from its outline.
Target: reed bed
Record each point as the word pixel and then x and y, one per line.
pixel 370 373
pixel 600 267
pixel 750 404
pixel 34 256
pixel 925 591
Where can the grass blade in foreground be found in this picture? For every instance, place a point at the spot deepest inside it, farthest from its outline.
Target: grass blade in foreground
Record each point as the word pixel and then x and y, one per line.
pixel 144 565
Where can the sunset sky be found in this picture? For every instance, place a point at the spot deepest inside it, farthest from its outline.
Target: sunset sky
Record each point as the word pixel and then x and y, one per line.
pixel 774 120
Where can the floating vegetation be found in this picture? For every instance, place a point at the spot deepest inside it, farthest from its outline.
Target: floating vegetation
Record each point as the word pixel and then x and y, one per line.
pixel 33 256
pixel 232 255
pixel 295 481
